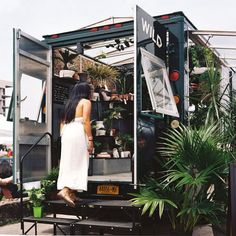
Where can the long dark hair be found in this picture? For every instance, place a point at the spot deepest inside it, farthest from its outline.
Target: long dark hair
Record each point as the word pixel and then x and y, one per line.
pixel 80 90
pixel 5 169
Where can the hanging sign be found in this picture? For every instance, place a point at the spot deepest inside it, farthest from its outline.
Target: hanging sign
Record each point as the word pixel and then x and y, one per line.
pixel 150 33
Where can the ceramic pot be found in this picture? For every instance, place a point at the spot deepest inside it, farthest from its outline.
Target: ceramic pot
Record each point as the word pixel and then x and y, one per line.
pixel 124 154
pixel 66 73
pixel 100 128
pixel 38 212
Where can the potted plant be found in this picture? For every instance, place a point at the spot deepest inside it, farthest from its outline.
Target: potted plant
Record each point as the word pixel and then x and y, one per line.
pixel 124 86
pixel 49 184
pixel 66 57
pixel 114 113
pixel 36 197
pixel 194 180
pixel 126 142
pixel 102 75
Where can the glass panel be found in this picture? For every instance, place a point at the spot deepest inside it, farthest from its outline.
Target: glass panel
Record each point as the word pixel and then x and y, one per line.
pixel 32 95
pixel 158 84
pixel 35 164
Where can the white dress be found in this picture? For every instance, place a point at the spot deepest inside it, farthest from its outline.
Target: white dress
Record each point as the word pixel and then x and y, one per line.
pixel 73 171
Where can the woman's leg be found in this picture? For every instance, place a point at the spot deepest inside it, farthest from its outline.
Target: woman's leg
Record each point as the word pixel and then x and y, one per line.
pixel 74 197
pixel 6 192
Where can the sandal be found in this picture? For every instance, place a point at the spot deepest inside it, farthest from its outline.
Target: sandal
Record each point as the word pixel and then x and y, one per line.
pixel 66 197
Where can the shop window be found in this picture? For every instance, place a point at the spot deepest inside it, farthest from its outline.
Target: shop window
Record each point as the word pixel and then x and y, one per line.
pixel 158 84
pixel 32 104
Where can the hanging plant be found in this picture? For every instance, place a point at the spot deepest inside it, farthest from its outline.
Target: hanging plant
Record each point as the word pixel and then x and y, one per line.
pixel 65 56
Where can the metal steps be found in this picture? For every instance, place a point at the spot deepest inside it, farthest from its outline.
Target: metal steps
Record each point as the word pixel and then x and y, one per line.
pixel 94 215
pixel 108 226
pixel 56 222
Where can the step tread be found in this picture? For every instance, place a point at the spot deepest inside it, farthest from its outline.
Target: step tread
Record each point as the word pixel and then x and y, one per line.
pixel 50 220
pixel 99 203
pixel 99 223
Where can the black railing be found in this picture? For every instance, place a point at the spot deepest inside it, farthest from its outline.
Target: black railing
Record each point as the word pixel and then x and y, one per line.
pixel 21 171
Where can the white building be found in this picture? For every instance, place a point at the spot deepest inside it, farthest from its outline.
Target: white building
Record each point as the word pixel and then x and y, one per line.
pixel 5 96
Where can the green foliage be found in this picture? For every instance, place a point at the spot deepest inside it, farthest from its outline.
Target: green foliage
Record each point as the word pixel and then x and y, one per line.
pixel 126 141
pixel 228 116
pixel 114 113
pixel 53 175
pixel 207 97
pixel 66 57
pixel 36 196
pixel 151 201
pixel 124 84
pixel 197 57
pixel 102 75
pixel 49 183
pixel 194 178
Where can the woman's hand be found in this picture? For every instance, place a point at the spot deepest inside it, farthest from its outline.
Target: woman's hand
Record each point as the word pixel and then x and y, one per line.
pixel 90 147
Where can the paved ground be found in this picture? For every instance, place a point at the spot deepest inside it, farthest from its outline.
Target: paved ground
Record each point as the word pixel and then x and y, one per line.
pixel 43 229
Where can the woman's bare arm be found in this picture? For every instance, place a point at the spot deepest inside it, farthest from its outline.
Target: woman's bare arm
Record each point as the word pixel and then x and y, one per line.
pixel 6 181
pixel 87 126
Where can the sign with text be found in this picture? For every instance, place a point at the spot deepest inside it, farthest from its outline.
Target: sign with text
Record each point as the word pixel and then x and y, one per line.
pixel 150 34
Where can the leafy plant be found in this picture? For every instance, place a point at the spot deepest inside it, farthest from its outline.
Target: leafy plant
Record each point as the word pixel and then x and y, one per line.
pixel 207 97
pixel 49 183
pixel 65 56
pixel 53 174
pixel 194 178
pixel 126 141
pixel 48 186
pixel 97 146
pixel 36 196
pixel 114 113
pixel 124 81
pixel 102 75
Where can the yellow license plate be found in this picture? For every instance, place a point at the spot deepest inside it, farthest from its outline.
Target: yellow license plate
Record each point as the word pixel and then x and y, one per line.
pixel 108 189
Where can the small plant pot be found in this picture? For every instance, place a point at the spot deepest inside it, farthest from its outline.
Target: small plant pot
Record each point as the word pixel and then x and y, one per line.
pixel 38 212
pixel 100 129
pixel 114 96
pixel 95 97
pixel 124 154
pixel 66 73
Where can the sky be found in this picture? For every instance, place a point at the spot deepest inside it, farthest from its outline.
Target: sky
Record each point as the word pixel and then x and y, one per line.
pixel 42 17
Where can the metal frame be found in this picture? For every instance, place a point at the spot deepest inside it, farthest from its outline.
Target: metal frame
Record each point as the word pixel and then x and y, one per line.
pixel 21 172
pixel 199 35
pixel 45 60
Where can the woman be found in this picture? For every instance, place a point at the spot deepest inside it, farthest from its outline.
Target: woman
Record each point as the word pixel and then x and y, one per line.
pixel 76 144
pixel 7 188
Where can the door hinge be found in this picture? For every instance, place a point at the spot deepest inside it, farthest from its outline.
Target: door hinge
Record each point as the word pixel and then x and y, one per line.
pixel 18 34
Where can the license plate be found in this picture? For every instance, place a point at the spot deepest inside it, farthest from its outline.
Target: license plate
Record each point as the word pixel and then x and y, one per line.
pixel 108 189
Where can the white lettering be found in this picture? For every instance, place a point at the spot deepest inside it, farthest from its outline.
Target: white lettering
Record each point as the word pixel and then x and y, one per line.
pixel 145 26
pixel 149 30
pixel 159 41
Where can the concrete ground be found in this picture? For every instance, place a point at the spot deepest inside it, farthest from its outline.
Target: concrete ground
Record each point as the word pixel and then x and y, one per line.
pixel 42 229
